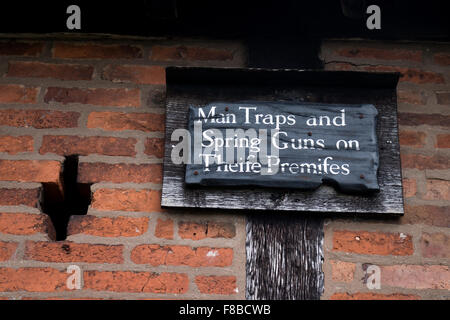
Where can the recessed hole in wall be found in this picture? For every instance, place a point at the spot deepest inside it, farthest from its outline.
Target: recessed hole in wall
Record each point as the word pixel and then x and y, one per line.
pixel 73 200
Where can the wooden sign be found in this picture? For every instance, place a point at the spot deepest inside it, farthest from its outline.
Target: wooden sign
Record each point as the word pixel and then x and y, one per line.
pixel 283 145
pixel 314 100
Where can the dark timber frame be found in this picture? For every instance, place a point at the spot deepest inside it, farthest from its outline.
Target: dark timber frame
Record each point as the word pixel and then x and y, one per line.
pixel 198 86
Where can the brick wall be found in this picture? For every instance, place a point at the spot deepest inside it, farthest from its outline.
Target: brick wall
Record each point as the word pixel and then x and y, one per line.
pixel 413 252
pixel 104 101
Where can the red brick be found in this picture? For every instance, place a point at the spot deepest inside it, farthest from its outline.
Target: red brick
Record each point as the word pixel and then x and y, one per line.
pixel 411 96
pixel 119 121
pixel 417 119
pixel 135 74
pixel 129 281
pixel 416 276
pixel 409 187
pixel 73 252
pixel 443 97
pixel 91 172
pixel 33 280
pixel 68 145
pixel 412 75
pixel 373 296
pixel 33 69
pixel 17 93
pixel 179 53
pixel 155 255
pixel 429 215
pixel 216 284
pixel 342 271
pixel 414 139
pixel 7 249
pixel 25 224
pixel 437 190
pixel 210 229
pixel 95 51
pixel 339 66
pixel 164 228
pixel 381 54
pixel 422 162
pixel 442 59
pixel 14 145
pixel 127 200
pixel 45 171
pixel 107 227
pixel 19 197
pixel 154 147
pixel 115 97
pixel 363 242
pixel 28 49
pixel 443 141
pixel 39 119
pixel 435 245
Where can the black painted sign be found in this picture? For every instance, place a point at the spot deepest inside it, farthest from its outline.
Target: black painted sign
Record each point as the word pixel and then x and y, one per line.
pixel 283 145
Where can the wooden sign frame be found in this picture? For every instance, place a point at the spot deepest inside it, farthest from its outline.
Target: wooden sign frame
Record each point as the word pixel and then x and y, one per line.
pixel 199 86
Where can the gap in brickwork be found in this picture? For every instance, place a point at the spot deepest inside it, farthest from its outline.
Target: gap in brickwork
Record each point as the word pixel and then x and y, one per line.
pixel 74 200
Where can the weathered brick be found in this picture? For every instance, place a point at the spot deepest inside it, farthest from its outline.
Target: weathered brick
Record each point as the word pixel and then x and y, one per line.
pixel 127 200
pixel 135 74
pixel 91 172
pixel 18 197
pixel 342 271
pixel 45 171
pixel 412 75
pixel 154 147
pixel 129 281
pixel 34 69
pixel 409 187
pixel 156 255
pixel 379 243
pixel 25 224
pixel 216 284
pixel 437 190
pixel 28 49
pixel 435 245
pixel 411 96
pixel 107 227
pixel 7 249
pixel 373 296
pixel 189 53
pixel 73 252
pixel 33 280
pixel 422 162
pixel 95 51
pixel 443 141
pixel 414 139
pixel 443 97
pixel 39 119
pixel 381 54
pixel 417 119
pixel 209 229
pixel 416 276
pixel 68 145
pixel 14 145
pixel 17 93
pixel 427 214
pixel 442 59
pixel 164 228
pixel 119 121
pixel 115 97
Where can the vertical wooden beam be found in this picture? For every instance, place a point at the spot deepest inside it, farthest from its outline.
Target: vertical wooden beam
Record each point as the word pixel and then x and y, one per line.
pixel 284 256
pixel 284 250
